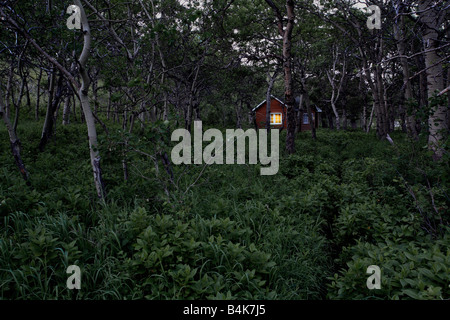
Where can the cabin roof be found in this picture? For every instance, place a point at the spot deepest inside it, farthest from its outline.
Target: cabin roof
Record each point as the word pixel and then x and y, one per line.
pixel 282 103
pixel 264 101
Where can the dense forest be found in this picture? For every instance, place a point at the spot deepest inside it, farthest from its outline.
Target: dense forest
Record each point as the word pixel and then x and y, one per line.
pixel 93 91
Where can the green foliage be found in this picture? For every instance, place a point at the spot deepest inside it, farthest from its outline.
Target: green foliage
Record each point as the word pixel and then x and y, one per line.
pixel 340 204
pixel 196 259
pixel 418 269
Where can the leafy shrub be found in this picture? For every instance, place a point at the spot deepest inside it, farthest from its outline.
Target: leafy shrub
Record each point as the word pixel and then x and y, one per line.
pixel 33 263
pixel 296 165
pixel 372 222
pixel 416 270
pixel 197 259
pixel 374 172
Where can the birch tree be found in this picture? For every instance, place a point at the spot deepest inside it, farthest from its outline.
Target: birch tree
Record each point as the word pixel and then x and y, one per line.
pixel 82 88
pixel 336 79
pixel 83 91
pixel 431 16
pixel 400 37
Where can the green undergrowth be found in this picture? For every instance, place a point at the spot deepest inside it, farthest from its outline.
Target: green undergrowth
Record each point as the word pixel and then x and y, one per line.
pixel 338 205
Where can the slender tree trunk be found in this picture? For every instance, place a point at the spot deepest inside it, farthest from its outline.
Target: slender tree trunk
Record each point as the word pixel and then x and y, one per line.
pixel 125 167
pixel 288 83
pixel 38 95
pixel 45 135
pixel 14 140
pixel 423 88
pixel 437 121
pixel 344 119
pixel 448 98
pixel 95 90
pixel 125 119
pixel 239 114
pixel 188 116
pixel 399 34
pixel 66 110
pixel 9 88
pixel 142 113
pixel 84 100
pixel 298 127
pixel 364 118
pixel 74 107
pixel 197 115
pixel 165 107
pixel 375 96
pixel 269 98
pixel 330 120
pixel 166 98
pixel 311 121
pixel 336 90
pixel 369 126
pixel 132 121
pixel 389 113
pixel 190 103
pixel 422 99
pixel 27 87
pixel 82 116
pixel 54 100
pixel 18 103
pixel 108 111
pixel 381 112
pixel 286 34
pixel 167 164
pixel 336 115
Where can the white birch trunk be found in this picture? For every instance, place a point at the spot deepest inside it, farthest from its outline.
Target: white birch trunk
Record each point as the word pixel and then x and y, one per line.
pixel 437 121
pixel 84 100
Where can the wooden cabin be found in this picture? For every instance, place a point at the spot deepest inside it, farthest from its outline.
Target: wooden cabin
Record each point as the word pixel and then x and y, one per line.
pixel 278 115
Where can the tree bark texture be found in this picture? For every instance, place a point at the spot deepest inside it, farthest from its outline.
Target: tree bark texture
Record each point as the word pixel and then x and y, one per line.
pixel 14 141
pixel 437 121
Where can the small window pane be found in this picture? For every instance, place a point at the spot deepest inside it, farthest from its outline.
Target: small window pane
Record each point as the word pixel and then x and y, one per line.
pixel 305 118
pixel 276 118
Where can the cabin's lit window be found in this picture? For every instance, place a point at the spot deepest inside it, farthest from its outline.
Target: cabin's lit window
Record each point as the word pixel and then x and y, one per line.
pixel 276 118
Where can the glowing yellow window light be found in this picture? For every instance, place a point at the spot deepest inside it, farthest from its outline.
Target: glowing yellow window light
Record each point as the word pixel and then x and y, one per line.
pixel 275 118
